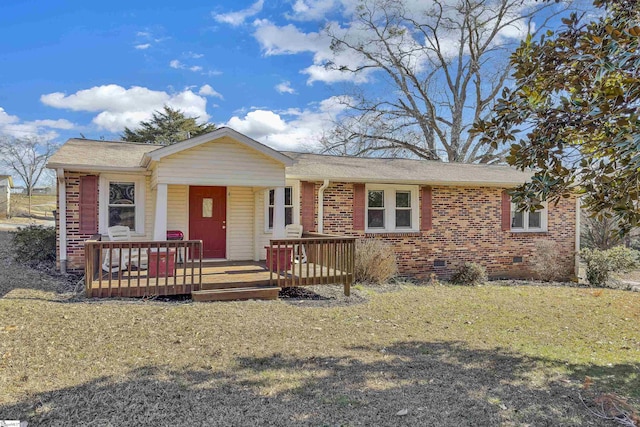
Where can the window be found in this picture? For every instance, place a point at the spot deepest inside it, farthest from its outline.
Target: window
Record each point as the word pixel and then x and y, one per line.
pixel 288 207
pixel 122 202
pixel 392 208
pixel 523 221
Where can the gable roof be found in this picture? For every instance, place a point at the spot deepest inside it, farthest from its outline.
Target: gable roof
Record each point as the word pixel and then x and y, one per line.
pixel 216 134
pixel 393 170
pixel 91 155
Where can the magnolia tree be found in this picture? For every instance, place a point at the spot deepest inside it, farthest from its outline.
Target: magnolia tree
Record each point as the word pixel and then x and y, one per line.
pixel 573 114
pixel 437 66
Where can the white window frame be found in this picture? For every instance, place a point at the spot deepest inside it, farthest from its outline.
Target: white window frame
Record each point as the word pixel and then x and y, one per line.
pixel 140 200
pixel 390 208
pixel 293 205
pixel 544 214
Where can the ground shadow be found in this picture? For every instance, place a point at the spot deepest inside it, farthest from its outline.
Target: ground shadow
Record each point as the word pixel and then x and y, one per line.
pixel 411 383
pixel 16 274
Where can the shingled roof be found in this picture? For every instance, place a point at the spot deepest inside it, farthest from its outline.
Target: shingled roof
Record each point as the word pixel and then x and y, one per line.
pixel 93 155
pixel 393 170
pixel 89 154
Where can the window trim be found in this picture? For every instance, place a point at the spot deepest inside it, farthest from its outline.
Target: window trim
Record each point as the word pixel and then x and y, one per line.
pixel 294 198
pixel 390 208
pixel 544 216
pixel 140 200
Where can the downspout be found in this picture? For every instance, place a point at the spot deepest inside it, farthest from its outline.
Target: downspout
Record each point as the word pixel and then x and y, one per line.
pixel 321 206
pixel 62 219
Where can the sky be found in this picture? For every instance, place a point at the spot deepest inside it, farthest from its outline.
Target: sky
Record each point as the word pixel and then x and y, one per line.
pixel 70 68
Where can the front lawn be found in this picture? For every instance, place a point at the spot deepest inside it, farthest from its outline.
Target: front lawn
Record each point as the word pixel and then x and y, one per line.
pixel 419 355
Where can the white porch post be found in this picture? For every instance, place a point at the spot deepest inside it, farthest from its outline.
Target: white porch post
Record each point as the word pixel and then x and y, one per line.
pixel 160 223
pixel 62 219
pixel 278 213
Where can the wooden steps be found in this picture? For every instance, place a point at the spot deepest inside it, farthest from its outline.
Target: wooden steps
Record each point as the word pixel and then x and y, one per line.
pixel 237 293
pixel 228 285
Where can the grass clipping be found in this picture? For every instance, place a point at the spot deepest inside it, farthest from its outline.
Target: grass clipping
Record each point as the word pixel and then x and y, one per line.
pixel 375 261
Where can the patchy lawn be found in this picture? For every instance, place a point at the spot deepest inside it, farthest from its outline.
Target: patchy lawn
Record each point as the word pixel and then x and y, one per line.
pixel 448 355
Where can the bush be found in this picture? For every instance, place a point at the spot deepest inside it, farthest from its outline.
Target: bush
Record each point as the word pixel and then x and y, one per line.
pixel 469 273
pixel 375 261
pixel 548 263
pixel 600 264
pixel 35 244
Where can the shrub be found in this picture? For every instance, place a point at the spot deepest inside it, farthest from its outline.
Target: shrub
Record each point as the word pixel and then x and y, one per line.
pixel 375 261
pixel 600 264
pixel 35 244
pixel 547 261
pixel 469 273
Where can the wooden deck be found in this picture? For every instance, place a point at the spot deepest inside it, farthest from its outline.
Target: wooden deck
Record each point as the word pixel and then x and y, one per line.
pixel 215 276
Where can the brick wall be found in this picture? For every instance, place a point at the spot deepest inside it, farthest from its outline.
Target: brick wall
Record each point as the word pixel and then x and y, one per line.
pixel 466 227
pixel 75 239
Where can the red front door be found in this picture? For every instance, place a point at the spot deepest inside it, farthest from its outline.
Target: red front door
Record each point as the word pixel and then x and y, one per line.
pixel 208 219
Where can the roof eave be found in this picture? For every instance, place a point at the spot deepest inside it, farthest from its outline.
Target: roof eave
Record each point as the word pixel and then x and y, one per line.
pixel 92 168
pixel 500 184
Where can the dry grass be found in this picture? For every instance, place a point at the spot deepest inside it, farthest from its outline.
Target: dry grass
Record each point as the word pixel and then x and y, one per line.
pixel 42 206
pixel 449 355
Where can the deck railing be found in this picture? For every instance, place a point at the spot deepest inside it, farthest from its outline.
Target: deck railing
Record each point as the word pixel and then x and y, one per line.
pixel 142 268
pixel 313 259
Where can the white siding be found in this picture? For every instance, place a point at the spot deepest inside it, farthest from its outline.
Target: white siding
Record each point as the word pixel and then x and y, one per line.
pixel 178 209
pixel 223 162
pixel 240 223
pixel 262 238
pixel 149 209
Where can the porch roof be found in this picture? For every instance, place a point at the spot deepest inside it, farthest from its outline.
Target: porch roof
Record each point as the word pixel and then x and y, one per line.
pixel 393 170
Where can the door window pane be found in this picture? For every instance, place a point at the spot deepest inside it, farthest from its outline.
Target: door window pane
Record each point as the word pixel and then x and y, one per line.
pixel 207 208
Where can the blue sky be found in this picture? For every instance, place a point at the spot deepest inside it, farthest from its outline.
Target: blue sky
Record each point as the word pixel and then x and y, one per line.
pixel 70 67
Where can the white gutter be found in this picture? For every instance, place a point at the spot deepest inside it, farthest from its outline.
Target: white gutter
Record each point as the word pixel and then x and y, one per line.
pixel 62 219
pixel 321 205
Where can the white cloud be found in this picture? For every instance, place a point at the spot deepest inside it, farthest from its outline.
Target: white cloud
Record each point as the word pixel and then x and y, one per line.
pixel 207 90
pixel 285 87
pixel 176 64
pixel 310 10
pixel 195 68
pixel 145 34
pixel 238 18
pixel 12 125
pixel 292 129
pixel 143 46
pixel 118 107
pixel 194 55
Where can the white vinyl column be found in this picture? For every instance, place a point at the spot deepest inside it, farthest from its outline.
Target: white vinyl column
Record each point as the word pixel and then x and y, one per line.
pixel 278 213
pixel 160 223
pixel 62 219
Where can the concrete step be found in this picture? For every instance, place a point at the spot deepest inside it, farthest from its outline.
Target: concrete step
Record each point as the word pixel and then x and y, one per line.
pixel 230 294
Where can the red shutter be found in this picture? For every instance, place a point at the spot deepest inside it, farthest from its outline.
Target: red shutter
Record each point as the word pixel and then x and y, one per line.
pixel 426 222
pixel 506 211
pixel 359 206
pixel 307 208
pixel 88 204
